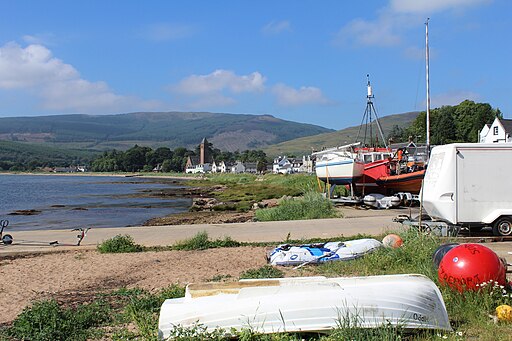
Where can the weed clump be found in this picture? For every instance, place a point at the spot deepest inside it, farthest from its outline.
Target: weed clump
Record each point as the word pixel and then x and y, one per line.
pixel 120 244
pixel 46 320
pixel 312 206
pixel 266 271
pixel 201 241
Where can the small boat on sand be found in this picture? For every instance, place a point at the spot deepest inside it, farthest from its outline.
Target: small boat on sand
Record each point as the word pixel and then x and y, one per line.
pixel 291 255
pixel 308 304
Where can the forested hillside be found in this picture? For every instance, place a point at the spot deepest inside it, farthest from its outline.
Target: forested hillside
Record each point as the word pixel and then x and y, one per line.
pixel 171 129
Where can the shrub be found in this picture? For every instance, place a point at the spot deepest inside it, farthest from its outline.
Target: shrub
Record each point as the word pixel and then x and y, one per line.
pixel 266 271
pixel 46 320
pixel 143 309
pixel 312 206
pixel 201 241
pixel 119 244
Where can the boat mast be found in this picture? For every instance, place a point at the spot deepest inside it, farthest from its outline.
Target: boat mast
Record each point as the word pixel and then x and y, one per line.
pixel 368 117
pixel 428 86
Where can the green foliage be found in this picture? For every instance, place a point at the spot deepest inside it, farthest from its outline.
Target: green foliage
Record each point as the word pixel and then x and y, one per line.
pixel 20 156
pixel 312 206
pixel 143 309
pixel 266 271
pixel 448 124
pixel 46 320
pixel 119 244
pixel 201 241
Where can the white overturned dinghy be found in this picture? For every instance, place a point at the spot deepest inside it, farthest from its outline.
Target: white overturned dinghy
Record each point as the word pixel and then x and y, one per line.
pixel 308 304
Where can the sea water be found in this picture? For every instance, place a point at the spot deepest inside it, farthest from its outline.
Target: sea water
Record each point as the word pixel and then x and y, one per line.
pixel 68 202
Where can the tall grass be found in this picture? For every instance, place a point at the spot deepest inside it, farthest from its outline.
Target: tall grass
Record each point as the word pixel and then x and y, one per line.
pixel 119 244
pixel 312 206
pixel 46 320
pixel 201 241
pixel 143 309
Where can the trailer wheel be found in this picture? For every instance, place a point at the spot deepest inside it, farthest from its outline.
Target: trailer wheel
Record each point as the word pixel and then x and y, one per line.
pixel 502 226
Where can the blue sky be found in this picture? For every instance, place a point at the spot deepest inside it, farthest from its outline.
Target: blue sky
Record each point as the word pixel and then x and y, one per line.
pixel 304 61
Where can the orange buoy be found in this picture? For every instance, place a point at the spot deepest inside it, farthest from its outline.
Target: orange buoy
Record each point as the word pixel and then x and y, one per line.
pixel 393 241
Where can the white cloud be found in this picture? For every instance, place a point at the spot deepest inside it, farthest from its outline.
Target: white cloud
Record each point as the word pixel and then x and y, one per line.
pixel 166 31
pixel 431 6
pixel 381 32
pixel 219 81
pixel 289 96
pixel 453 98
pixel 41 38
pixel 276 27
pixel 394 19
pixel 59 85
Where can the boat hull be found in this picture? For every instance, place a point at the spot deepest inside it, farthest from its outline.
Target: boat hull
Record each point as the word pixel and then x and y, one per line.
pixel 339 172
pixel 406 182
pixel 303 304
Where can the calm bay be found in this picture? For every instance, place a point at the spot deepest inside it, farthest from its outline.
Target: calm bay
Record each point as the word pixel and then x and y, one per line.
pixel 70 201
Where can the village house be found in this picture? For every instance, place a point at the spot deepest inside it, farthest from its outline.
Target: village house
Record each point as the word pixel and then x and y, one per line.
pixel 285 165
pixel 201 163
pixel 498 132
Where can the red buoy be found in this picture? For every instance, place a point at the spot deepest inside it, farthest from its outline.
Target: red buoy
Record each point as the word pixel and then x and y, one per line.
pixel 467 266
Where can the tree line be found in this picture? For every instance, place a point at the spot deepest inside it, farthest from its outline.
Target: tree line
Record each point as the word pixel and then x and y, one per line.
pixel 140 158
pixel 448 124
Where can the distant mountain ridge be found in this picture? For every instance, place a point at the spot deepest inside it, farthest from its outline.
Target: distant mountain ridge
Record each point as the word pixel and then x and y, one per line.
pixel 305 145
pixel 171 129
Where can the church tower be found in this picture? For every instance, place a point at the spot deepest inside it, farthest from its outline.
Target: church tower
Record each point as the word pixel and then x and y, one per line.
pixel 204 156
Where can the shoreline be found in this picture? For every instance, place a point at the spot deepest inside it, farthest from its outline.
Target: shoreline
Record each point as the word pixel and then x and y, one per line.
pixel 205 216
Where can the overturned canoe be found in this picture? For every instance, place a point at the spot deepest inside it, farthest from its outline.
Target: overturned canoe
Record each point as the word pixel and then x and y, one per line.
pixel 318 253
pixel 308 304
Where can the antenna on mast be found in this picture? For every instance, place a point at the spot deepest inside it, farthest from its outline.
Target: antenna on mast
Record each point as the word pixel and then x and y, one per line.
pixel 428 86
pixel 369 121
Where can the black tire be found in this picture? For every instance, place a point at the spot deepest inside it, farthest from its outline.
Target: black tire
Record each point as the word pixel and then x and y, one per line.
pixel 7 239
pixel 502 226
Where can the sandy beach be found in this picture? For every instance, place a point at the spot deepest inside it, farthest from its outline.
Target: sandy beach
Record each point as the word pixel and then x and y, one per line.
pixel 72 274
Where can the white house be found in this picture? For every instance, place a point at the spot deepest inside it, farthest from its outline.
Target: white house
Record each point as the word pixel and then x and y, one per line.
pixel 238 167
pixel 498 132
pixel 282 165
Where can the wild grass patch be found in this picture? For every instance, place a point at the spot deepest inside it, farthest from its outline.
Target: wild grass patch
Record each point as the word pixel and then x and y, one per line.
pixel 266 271
pixel 120 244
pixel 312 206
pixel 201 241
pixel 46 320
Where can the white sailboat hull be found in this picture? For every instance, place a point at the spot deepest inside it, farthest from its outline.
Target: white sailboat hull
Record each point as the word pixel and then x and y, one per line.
pixel 308 304
pixel 339 170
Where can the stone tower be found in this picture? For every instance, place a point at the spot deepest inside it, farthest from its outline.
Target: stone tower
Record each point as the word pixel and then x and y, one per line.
pixel 204 157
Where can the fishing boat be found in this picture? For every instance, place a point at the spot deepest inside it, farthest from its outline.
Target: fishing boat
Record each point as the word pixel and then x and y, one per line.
pixel 308 304
pixel 339 165
pixel 404 172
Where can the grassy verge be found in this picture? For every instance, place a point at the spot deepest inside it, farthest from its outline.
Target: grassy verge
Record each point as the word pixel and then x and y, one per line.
pixel 243 190
pixel 312 206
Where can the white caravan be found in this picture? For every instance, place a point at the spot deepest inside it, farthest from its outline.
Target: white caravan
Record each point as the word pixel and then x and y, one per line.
pixel 469 184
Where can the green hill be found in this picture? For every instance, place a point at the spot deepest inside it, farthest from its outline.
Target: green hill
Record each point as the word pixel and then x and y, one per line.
pixel 171 129
pixel 305 145
pixel 21 155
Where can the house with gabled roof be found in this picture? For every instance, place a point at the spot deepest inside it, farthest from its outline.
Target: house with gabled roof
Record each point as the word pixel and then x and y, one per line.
pixel 500 131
